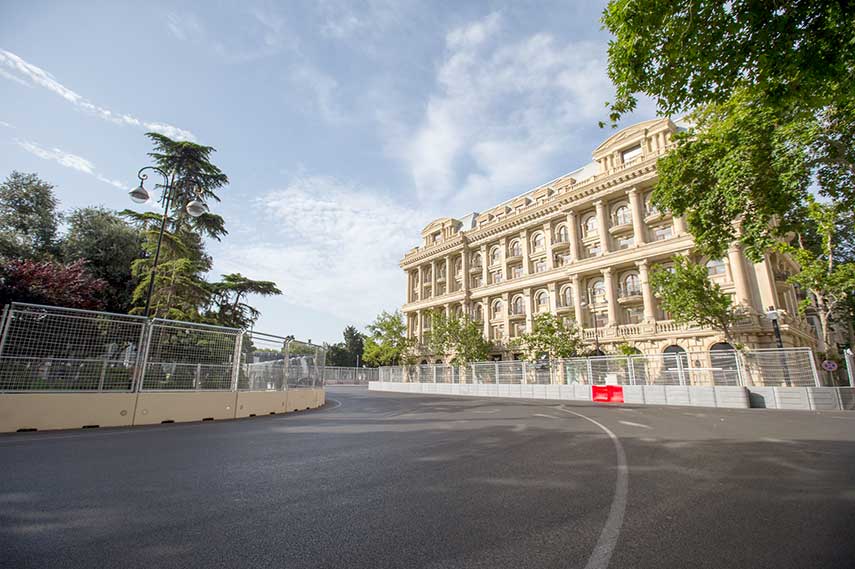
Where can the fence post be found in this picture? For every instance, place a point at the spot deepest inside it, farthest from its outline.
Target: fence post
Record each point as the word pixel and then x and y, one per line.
pixel 102 375
pixel 4 328
pixel 590 371
pixel 236 361
pixel 681 374
pixel 740 370
pixel 813 369
pixel 630 366
pixel 142 354
pixel 850 367
pixel 287 365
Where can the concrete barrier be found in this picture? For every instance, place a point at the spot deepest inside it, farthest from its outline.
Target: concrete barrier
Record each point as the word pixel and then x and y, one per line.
pixel 45 411
pixel 48 411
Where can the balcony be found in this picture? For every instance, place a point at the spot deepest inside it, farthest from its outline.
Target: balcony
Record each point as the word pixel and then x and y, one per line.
pixel 560 245
pixel 619 228
pixel 517 315
pixel 652 215
pixel 513 256
pixel 476 269
pixel 564 308
pixel 628 295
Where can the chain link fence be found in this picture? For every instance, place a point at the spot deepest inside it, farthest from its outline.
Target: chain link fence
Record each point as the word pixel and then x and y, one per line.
pixel 340 375
pixel 793 367
pixel 45 348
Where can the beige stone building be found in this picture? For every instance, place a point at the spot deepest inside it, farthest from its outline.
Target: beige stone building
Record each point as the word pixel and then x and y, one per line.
pixel 582 246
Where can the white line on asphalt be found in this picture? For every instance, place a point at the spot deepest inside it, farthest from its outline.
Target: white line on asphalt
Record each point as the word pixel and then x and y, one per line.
pixel 338 404
pixel 631 424
pixel 602 553
pixel 542 415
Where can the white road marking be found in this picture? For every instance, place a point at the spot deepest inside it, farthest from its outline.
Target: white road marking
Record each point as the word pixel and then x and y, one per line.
pixel 337 402
pixel 542 415
pixel 487 411
pixel 631 424
pixel 605 546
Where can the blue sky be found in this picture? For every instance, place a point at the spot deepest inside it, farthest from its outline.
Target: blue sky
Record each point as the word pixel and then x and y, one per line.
pixel 345 127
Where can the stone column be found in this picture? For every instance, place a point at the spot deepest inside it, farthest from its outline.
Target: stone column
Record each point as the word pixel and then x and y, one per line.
pixel 524 248
pixel 547 243
pixel 573 232
pixel 449 278
pixel 552 289
pixel 484 264
pixel 529 317
pixel 432 279
pixel 766 284
pixel 638 226
pixel 485 312
pixel 602 225
pixel 421 287
pixel 419 326
pixel 611 297
pixel 576 283
pixel 646 291
pixel 740 278
pixel 506 319
pixel 679 223
pixel 464 268
pixel 503 246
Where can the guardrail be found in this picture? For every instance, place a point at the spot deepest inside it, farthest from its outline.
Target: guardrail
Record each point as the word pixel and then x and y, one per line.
pixel 52 349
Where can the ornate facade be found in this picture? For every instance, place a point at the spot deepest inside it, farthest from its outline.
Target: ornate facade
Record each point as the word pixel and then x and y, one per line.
pixel 582 246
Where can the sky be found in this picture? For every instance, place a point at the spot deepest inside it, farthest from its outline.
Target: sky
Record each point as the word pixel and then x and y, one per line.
pixel 344 127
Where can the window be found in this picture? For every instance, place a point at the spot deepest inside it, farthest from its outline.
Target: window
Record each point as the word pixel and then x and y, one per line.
pixel 516 272
pixel 634 315
pixel 436 237
pixel 598 291
pixel 632 285
pixel 478 313
pixel 537 242
pixel 440 272
pixel 590 225
pixel 542 301
pixel 539 266
pixel 631 153
pixel 594 250
pixel 477 281
pixel 458 266
pixel 498 331
pixel 495 256
pixel 715 267
pixel 648 204
pixel 561 234
pixel 497 277
pixel 518 307
pixel 662 232
pixel 517 329
pixel 497 309
pixel 515 249
pixel 600 318
pixel 558 260
pixel 476 260
pixel 622 216
pixel 567 296
pixel 625 242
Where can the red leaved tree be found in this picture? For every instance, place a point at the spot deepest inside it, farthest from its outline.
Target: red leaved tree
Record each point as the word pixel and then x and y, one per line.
pixel 52 283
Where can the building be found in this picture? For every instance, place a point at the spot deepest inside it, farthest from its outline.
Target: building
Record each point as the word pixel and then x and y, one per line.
pixel 582 246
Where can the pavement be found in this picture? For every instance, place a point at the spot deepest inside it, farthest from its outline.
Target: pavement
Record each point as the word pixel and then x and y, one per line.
pixel 381 480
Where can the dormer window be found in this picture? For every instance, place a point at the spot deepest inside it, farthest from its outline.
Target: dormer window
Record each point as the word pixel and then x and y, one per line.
pixel 631 154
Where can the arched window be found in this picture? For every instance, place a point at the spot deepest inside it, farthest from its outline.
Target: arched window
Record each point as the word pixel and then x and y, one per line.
pixel 561 234
pixel 590 225
pixel 478 313
pixel 515 249
pixel 426 273
pixel 495 256
pixel 632 284
pixel 476 260
pixel 567 296
pixel 537 242
pixel 458 266
pixel 497 309
pixel 598 291
pixel 715 267
pixel 622 215
pixel 518 306
pixel 648 204
pixel 542 301
pixel 674 349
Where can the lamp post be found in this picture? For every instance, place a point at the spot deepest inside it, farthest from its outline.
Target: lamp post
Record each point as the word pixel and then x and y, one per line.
pixel 773 315
pixel 194 208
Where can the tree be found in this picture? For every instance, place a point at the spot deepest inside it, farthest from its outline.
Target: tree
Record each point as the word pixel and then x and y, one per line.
pixel 458 337
pixel 550 339
pixel 51 283
pixel 349 352
pixel 28 217
pixel 825 273
pixel 769 88
pixel 686 292
pixel 227 295
pixel 387 342
pixel 109 245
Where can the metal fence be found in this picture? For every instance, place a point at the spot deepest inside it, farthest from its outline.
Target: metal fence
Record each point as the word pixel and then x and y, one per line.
pixel 45 348
pixel 794 367
pixel 340 375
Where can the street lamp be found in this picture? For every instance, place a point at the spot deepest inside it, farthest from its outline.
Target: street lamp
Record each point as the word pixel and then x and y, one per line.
pixel 194 208
pixel 773 315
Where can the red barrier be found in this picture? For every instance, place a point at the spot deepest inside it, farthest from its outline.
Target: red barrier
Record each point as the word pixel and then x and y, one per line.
pixel 607 393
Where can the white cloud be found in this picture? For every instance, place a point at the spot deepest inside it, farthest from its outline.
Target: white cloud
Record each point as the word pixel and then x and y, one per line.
pixel 6 124
pixel 32 75
pixel 333 247
pixel 322 89
pixel 68 160
pixel 503 110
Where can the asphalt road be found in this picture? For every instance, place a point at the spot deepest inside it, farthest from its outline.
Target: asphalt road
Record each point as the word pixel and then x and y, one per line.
pixel 394 480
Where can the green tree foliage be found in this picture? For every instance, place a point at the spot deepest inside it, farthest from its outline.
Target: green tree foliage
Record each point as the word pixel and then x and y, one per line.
pixel 769 88
pixel 227 296
pixel 109 245
pixel 28 217
pixel 827 270
pixel 550 339
pixel 348 352
pixel 387 342
pixel 457 337
pixel 686 292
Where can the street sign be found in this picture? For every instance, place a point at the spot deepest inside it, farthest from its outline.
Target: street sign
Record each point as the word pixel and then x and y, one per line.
pixel 829 365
